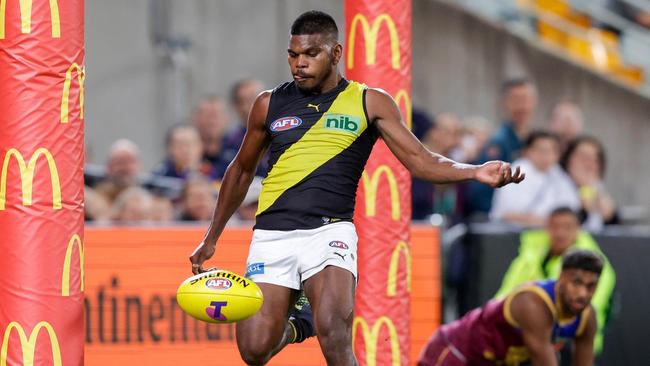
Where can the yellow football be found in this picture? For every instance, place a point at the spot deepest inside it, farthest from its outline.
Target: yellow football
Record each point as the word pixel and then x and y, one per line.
pixel 219 297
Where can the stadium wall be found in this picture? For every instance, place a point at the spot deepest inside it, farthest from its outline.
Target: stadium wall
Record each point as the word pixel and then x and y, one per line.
pixel 131 311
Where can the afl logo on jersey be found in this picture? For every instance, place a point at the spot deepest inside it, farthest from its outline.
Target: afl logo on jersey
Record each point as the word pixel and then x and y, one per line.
pixel 285 123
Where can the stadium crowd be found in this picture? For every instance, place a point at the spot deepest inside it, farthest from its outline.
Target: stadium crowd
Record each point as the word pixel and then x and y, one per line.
pixel 564 166
pixel 185 184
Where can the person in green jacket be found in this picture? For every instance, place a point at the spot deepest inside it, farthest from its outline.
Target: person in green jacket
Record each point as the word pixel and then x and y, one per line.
pixel 540 257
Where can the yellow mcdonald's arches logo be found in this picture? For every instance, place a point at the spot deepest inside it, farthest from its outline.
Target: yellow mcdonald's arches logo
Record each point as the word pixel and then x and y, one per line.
pixel 65 95
pixel 391 283
pixel 371 339
pixel 28 344
pixel 370 34
pixel 370 185
pixel 402 97
pixel 65 277
pixel 26 17
pixel 27 176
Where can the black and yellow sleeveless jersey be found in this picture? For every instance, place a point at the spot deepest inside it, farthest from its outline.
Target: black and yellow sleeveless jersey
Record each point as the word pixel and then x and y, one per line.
pixel 319 147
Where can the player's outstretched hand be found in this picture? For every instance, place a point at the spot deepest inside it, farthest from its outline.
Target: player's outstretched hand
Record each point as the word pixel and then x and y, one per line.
pixel 201 254
pixel 498 173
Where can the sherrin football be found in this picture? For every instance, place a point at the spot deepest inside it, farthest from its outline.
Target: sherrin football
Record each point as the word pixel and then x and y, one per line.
pixel 219 297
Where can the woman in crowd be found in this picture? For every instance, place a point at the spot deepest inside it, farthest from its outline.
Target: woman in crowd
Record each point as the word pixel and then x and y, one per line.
pixel 584 161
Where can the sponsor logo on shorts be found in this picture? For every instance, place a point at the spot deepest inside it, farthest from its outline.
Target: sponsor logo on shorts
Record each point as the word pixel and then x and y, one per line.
pixel 338 244
pixel 214 310
pixel 254 268
pixel 218 283
pixel 285 123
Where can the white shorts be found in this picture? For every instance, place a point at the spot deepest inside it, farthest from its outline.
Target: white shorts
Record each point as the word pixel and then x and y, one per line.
pixel 288 258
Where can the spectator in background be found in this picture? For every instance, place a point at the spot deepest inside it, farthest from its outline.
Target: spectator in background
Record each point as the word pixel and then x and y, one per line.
pixel 184 153
pixel 162 209
pixel 540 257
pixel 197 200
pixel 519 101
pixel 96 206
pixel 242 96
pixel 134 204
pixel 547 185
pixel 122 170
pixel 474 135
pixel 566 122
pixel 442 137
pixel 584 161
pixel 210 117
pixel 422 192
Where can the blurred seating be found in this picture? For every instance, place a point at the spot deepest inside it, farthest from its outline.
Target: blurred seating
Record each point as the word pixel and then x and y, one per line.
pixel 591 32
pixel 574 32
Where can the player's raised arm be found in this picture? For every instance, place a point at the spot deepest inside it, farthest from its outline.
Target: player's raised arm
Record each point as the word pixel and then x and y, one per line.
pixel 423 163
pixel 236 180
pixel 583 351
pixel 536 322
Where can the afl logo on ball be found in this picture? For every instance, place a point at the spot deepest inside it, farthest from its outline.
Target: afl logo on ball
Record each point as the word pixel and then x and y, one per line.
pixel 285 123
pixel 218 284
pixel 338 244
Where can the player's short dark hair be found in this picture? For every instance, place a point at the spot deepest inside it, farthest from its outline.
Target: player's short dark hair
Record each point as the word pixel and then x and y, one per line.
pixel 509 84
pixel 315 22
pixel 564 210
pixel 585 260
pixel 538 135
pixel 573 145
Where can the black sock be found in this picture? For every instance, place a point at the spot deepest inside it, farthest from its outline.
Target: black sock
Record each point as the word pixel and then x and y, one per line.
pixel 302 324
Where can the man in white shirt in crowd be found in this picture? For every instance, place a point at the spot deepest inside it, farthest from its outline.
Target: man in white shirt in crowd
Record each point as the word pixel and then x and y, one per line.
pixel 547 185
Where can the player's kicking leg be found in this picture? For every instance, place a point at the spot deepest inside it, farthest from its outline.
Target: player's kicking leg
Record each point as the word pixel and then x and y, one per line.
pixel 331 295
pixel 267 332
pixel 273 264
